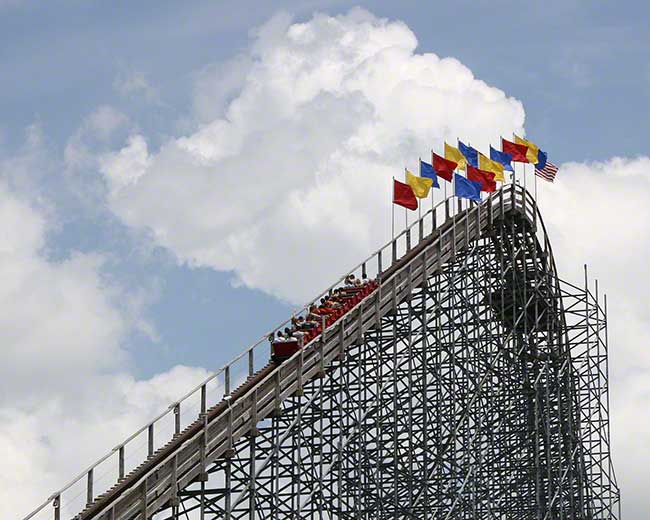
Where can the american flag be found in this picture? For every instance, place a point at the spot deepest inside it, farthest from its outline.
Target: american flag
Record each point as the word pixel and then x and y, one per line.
pixel 548 172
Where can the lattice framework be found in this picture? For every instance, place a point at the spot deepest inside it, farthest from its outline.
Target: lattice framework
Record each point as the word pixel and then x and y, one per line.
pixel 482 396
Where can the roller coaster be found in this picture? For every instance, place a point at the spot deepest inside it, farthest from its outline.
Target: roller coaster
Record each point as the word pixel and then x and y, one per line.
pixel 471 382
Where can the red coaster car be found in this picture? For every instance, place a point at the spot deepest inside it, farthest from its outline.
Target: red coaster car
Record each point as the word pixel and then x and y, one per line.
pixel 281 350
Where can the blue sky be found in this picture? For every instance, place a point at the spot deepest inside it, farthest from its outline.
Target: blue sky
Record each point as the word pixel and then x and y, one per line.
pixel 576 65
pixel 580 69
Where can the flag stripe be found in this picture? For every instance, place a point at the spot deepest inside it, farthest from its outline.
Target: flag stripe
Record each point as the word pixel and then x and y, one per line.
pixel 548 172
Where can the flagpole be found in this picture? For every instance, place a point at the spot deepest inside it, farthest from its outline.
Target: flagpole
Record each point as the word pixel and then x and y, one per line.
pixel 453 190
pixel 512 174
pixel 406 211
pixel 524 177
pixel 419 205
pixel 392 205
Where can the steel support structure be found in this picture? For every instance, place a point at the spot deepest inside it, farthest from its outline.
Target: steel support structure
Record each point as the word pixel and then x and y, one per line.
pixel 483 395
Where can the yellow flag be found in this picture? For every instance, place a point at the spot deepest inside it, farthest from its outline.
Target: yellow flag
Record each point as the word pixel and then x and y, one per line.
pixel 420 185
pixel 454 154
pixel 533 149
pixel 491 166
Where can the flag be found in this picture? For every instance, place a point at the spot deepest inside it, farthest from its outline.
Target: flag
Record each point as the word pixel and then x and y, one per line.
pixel 467 189
pixel 541 160
pixel 491 166
pixel 470 154
pixel 453 154
pixel 485 179
pixel 403 195
pixel 426 170
pixel 443 167
pixel 518 151
pixel 548 172
pixel 419 185
pixel 502 158
pixel 531 153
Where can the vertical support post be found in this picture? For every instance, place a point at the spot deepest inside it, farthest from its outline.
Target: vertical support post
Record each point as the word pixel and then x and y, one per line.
pixel 321 348
pixel 453 239
pixel 466 217
pixel 203 476
pixel 490 211
pixel 120 457
pixel 360 324
pixel 56 504
pixel 228 504
pixel 421 229
pixel 150 439
pixel 277 409
pixel 230 452
pixel 252 486
pixel 378 305
pixel 379 266
pixel 143 500
pixel 174 482
pixel 89 487
pixel 227 381
pixel 301 360
pixel 501 204
pixel 408 239
pixel 342 339
pixel 254 419
pixel 177 418
pixel 251 362
pixel 204 399
pixel 363 270
pixel 409 280
pixel 434 224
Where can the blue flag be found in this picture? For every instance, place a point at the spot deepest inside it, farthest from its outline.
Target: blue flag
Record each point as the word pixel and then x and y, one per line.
pixel 541 160
pixel 426 170
pixel 501 157
pixel 467 189
pixel 470 154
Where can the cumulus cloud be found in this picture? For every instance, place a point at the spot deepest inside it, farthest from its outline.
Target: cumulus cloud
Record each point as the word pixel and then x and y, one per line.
pixel 286 180
pixel 96 129
pixel 66 396
pixel 597 213
pixel 134 83
pixel 46 447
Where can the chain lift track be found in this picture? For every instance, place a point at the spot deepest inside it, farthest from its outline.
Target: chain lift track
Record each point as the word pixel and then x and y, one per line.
pixel 472 384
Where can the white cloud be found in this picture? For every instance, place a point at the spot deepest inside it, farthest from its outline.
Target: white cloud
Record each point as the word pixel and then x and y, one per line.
pixel 597 213
pixel 96 129
pixel 288 182
pixel 125 167
pixel 65 394
pixel 45 447
pixel 132 83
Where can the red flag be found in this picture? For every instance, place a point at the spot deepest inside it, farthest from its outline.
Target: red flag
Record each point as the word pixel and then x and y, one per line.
pixel 484 177
pixel 403 195
pixel 444 167
pixel 518 151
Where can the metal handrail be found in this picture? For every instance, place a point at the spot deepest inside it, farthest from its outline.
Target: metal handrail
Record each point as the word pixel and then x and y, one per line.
pixel 56 496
